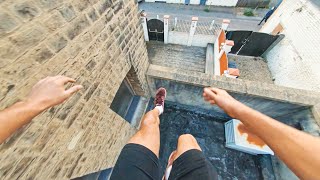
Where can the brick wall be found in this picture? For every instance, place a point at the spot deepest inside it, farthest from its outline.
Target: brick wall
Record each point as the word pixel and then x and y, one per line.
pixel 294 62
pixel 96 42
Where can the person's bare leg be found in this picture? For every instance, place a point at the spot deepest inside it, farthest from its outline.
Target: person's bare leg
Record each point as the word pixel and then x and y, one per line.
pixel 189 164
pixel 149 132
pixel 186 142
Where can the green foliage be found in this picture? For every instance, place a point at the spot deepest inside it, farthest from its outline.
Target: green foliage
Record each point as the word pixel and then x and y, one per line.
pixel 248 12
pixel 206 9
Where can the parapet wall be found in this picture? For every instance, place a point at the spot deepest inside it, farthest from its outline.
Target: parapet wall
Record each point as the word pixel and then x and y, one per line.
pixel 186 87
pixel 96 42
pixel 297 108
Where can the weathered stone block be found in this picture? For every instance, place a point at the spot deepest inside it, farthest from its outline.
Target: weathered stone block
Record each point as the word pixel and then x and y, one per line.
pixel 117 7
pixel 74 49
pixel 41 54
pixel 67 12
pixel 28 38
pixel 80 44
pixel 104 6
pixel 109 16
pixel 49 4
pixel 90 66
pixel 5 87
pixel 92 2
pixel 77 26
pixel 127 11
pixel 54 22
pixel 81 4
pixel 93 15
pixel 117 33
pixel 8 23
pixel 91 90
pixel 86 38
pixel 57 42
pixel 104 34
pixel 26 10
pixel 22 166
pixel 97 27
pixel 7 52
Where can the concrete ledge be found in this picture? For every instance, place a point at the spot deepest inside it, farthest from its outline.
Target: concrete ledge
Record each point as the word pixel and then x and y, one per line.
pixel 316 113
pixel 269 91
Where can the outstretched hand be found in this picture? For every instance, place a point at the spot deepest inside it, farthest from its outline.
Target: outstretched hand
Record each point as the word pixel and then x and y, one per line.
pixel 50 91
pixel 46 93
pixel 222 99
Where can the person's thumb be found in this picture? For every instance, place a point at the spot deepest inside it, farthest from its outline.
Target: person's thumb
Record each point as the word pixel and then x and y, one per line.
pixel 210 93
pixel 73 89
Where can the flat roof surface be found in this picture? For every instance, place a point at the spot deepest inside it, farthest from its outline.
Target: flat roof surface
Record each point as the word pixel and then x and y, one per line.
pixel 252 68
pixel 193 58
pixel 209 133
pixel 171 55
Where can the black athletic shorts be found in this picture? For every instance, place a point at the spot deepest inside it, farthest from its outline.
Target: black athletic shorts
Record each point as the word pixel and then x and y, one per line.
pixel 137 162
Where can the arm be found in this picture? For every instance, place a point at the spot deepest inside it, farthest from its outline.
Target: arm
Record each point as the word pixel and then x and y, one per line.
pixel 46 93
pixel 297 149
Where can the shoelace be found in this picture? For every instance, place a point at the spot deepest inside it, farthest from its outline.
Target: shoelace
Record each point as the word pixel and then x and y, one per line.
pixel 159 98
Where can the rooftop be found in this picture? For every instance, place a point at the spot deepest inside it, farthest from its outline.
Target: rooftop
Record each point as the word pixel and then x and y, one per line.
pixel 177 56
pixel 193 58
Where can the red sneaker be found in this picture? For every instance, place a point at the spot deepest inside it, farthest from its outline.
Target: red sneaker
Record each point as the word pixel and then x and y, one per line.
pixel 160 97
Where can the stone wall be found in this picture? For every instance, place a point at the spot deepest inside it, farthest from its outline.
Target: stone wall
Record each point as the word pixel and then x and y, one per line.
pixel 96 42
pixel 294 61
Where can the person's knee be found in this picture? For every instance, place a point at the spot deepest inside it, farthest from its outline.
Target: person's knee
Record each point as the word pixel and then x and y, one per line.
pixel 187 141
pixel 150 119
pixel 186 138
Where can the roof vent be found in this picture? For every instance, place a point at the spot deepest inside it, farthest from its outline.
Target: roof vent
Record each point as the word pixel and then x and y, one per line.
pixel 238 137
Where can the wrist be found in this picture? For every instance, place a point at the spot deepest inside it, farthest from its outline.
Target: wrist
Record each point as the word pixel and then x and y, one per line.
pixel 235 109
pixel 239 110
pixel 34 105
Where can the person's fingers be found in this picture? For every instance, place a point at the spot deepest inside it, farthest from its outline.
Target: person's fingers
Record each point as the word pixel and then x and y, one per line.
pixel 64 80
pixel 215 90
pixel 73 89
pixel 209 93
pixel 207 98
pixel 212 102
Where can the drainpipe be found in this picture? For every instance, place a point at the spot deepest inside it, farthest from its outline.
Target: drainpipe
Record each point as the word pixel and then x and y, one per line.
pixel 211 25
pixel 175 22
pixel 192 29
pixel 166 28
pixel 143 18
pixel 225 24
